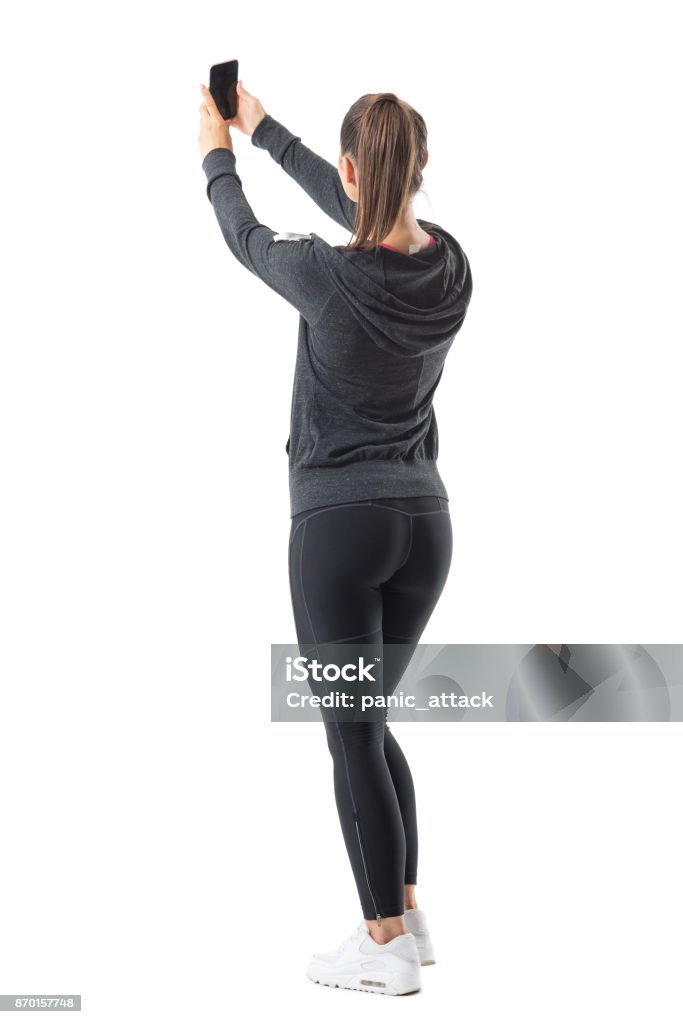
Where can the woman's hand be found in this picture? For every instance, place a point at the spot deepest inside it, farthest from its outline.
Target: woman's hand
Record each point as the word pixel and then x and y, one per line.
pixel 250 111
pixel 214 130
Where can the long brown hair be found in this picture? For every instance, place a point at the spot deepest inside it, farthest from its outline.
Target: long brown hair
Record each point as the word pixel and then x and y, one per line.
pixel 387 140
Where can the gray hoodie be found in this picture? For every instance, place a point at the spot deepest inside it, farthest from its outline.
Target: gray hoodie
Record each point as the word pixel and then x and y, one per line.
pixel 374 332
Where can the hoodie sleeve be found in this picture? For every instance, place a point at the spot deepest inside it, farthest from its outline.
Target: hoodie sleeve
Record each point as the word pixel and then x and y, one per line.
pixel 290 267
pixel 317 177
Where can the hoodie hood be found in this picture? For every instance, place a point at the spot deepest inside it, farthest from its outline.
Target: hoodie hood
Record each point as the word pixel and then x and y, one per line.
pixel 408 305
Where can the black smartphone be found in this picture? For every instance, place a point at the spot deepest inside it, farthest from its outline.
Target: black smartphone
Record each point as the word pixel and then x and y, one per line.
pixel 223 87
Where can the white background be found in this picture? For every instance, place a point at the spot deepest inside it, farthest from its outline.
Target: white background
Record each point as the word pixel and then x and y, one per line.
pixel 164 849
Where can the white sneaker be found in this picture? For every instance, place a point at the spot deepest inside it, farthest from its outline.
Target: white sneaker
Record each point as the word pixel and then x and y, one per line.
pixel 392 969
pixel 416 923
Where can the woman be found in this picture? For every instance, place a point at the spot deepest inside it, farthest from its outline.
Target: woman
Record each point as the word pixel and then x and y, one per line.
pixel 370 539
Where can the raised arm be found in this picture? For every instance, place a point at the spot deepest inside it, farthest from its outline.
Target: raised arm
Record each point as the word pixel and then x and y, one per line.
pixel 290 268
pixel 317 176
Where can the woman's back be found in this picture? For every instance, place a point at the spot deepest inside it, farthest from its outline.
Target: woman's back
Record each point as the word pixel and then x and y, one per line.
pixel 367 369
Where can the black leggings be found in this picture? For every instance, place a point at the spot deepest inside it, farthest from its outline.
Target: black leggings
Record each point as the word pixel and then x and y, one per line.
pixel 371 572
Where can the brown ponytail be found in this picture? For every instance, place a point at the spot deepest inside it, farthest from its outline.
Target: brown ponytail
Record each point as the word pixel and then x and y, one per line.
pixel 387 140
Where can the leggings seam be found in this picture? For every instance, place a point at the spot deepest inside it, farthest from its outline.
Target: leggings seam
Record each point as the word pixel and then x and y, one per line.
pixel 301 585
pixel 362 504
pixel 343 639
pixel 432 512
pixel 410 546
pixel 329 508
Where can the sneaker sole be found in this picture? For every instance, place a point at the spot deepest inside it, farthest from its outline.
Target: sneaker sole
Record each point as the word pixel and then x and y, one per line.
pixel 426 950
pixel 375 984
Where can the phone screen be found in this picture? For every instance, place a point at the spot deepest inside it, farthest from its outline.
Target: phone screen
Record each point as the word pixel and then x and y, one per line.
pixel 223 87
